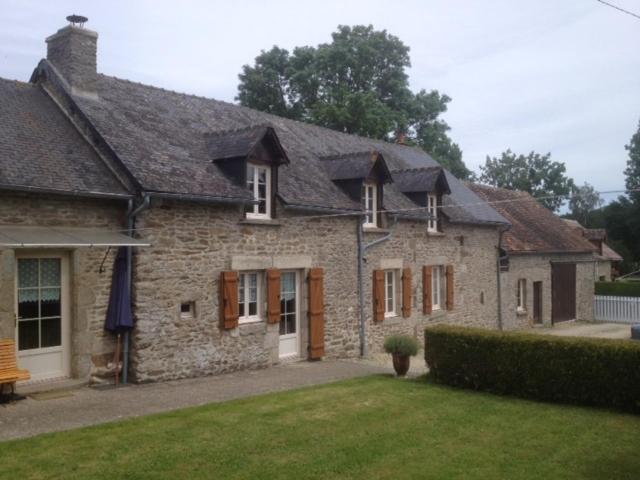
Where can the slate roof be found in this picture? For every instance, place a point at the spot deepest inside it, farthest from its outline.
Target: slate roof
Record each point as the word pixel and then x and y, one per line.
pixel 534 228
pixel 229 144
pixel 357 165
pixel 424 179
pixel 41 149
pixel 161 137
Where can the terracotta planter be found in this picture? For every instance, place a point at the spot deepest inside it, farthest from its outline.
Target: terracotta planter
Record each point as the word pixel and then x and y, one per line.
pixel 401 364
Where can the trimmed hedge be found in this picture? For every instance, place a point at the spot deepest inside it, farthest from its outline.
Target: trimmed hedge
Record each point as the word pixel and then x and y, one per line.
pixel 575 370
pixel 621 289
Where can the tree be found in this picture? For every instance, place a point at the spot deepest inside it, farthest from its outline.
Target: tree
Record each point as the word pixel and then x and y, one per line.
pixel 584 200
pixel 356 84
pixel 533 173
pixel 633 166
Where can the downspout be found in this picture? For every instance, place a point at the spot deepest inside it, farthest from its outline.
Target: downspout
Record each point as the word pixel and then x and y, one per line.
pixel 498 279
pixel 362 249
pixel 131 222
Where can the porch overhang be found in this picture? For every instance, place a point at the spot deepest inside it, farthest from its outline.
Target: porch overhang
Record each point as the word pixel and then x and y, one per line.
pixel 19 236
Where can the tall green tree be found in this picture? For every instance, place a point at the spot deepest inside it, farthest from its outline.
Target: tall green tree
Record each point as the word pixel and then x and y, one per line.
pixel 356 84
pixel 584 200
pixel 534 173
pixel 632 171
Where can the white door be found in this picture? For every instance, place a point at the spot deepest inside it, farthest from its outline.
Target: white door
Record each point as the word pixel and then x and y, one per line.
pixel 42 326
pixel 289 314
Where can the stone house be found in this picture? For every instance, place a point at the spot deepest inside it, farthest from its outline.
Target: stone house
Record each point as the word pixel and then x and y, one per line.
pixel 547 269
pixel 608 260
pixel 252 239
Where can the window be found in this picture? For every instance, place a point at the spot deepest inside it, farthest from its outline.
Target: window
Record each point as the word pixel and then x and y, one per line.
pixel 522 295
pixel 389 293
pixel 432 210
pixel 259 183
pixel 187 310
pixel 248 297
pixel 369 196
pixel 438 287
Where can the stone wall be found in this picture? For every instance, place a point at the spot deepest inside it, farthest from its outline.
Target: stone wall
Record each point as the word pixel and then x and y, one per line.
pixel 91 345
pixel 192 243
pixel 537 268
pixel 604 270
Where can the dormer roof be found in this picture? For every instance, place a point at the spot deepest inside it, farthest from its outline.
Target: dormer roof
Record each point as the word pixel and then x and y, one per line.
pixel 419 180
pixel 365 166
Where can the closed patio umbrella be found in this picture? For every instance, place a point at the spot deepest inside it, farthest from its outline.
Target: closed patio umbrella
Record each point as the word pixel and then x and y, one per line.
pixel 119 316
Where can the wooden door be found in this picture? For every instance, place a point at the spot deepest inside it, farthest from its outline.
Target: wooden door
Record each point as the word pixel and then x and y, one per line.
pixel 563 292
pixel 537 302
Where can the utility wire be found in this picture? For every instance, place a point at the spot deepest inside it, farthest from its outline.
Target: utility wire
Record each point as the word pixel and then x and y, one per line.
pixel 527 198
pixel 620 9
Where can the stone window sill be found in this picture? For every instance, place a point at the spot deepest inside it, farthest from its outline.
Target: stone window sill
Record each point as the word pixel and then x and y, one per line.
pixel 520 312
pixel 435 234
pixel 258 221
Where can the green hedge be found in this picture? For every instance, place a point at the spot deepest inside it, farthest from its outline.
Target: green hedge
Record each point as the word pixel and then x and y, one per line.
pixel 621 289
pixel 559 369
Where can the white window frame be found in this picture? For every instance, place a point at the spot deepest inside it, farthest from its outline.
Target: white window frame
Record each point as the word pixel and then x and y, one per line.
pixel 521 295
pixel 432 210
pixel 370 196
pixel 242 284
pixel 255 170
pixel 438 285
pixel 390 285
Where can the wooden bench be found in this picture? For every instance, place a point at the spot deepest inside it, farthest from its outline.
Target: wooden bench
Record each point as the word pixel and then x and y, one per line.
pixel 9 372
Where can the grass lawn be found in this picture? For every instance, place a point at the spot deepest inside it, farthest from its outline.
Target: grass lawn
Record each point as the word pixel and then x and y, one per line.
pixel 370 428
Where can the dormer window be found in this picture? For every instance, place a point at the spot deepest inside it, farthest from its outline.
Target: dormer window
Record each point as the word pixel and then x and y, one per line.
pixel 370 204
pixel 259 183
pixel 432 210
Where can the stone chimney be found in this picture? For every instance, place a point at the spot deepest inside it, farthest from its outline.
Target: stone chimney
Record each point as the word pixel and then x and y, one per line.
pixel 72 50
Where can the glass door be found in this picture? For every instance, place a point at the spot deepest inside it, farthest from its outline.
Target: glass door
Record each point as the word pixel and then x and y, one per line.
pixel 289 314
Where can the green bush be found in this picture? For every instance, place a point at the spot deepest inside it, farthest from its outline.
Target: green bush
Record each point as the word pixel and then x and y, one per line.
pixel 621 289
pixel 401 344
pixel 576 370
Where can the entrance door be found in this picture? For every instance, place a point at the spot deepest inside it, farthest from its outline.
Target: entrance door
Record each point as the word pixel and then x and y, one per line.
pixel 537 302
pixel 42 323
pixel 289 314
pixel 563 292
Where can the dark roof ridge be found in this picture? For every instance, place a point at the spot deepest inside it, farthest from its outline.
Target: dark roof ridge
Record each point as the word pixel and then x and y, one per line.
pixel 218 133
pixel 15 81
pixel 417 169
pixel 338 156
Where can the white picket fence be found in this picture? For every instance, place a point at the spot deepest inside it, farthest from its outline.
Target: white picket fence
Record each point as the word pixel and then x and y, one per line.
pixel 617 309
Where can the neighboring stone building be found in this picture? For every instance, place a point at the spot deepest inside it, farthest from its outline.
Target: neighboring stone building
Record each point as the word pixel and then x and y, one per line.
pixel 246 230
pixel 547 270
pixel 607 258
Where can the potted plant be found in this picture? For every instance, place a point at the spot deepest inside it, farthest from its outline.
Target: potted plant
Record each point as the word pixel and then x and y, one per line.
pixel 401 348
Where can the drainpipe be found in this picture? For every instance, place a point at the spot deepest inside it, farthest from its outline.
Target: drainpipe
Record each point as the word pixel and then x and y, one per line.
pixel 131 221
pixel 498 279
pixel 362 249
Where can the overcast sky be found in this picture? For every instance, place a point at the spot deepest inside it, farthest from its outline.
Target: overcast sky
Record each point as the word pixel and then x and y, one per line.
pixel 560 77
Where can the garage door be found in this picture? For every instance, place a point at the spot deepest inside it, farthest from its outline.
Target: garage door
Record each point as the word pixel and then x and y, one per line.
pixel 563 292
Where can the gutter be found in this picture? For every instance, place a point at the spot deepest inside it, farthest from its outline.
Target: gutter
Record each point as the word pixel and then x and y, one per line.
pixel 362 249
pixel 131 222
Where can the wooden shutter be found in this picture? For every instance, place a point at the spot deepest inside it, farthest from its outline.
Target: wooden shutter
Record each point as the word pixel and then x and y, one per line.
pixel 406 292
pixel 449 275
pixel 426 290
pixel 316 313
pixel 378 295
pixel 273 295
pixel 229 300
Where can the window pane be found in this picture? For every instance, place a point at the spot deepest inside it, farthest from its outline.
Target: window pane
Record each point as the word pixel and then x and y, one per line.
pixel 253 309
pixel 50 272
pixel 262 175
pixel 50 302
pixel 435 289
pixel 27 272
pixel 28 335
pixel 28 303
pixel 241 309
pixel 51 332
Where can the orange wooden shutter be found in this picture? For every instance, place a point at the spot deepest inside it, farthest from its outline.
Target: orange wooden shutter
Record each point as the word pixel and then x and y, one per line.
pixel 273 295
pixel 378 295
pixel 316 313
pixel 426 290
pixel 406 292
pixel 229 299
pixel 449 287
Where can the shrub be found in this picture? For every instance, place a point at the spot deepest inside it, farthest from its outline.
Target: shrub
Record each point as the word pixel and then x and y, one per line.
pixel 621 289
pixel 585 371
pixel 401 344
